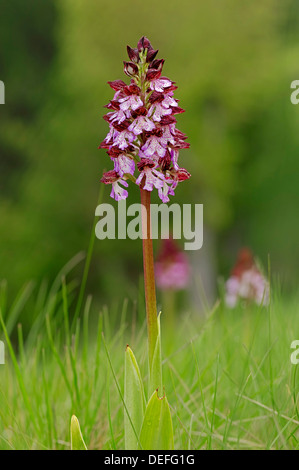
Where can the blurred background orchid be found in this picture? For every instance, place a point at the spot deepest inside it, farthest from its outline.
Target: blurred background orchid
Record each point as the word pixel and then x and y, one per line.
pixel 172 267
pixel 246 282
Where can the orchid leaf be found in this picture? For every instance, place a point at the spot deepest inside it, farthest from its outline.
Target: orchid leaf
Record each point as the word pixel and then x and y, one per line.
pixel 156 365
pixel 134 398
pixel 157 431
pixel 77 441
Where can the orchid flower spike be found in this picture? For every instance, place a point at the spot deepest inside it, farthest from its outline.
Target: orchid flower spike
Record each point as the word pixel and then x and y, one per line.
pixel 172 267
pixel 246 282
pixel 143 136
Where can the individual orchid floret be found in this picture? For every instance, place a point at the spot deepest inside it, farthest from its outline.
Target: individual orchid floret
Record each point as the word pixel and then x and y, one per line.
pixel 161 84
pixel 172 267
pixel 166 190
pixel 117 191
pixel 149 176
pixel 246 282
pixel 141 122
pixel 142 127
pixel 124 165
pixel 131 102
pixel 155 146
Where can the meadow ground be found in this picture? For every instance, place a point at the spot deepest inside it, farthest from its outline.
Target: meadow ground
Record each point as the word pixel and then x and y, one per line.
pixel 227 373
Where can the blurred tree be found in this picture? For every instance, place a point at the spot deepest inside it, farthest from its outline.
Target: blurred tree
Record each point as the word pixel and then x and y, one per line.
pixel 27 48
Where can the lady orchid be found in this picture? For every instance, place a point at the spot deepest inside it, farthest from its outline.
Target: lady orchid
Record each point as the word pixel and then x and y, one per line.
pixel 143 136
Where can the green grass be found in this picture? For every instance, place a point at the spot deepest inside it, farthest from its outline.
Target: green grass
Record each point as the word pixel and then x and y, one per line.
pixel 227 373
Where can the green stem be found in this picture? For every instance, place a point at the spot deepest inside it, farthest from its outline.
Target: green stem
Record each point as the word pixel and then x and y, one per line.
pixel 149 275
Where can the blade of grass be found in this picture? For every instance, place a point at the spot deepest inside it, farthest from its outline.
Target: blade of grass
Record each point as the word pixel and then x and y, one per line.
pixel 59 361
pixel 19 375
pixel 119 391
pixel 18 306
pixel 214 405
pixel 87 262
pixel 109 413
pixel 52 436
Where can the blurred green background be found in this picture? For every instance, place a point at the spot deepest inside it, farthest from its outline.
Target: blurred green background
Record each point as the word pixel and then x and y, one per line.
pixel 233 63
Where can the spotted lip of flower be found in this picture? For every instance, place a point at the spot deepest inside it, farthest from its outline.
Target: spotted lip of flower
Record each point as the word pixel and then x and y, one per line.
pixel 149 176
pixel 141 118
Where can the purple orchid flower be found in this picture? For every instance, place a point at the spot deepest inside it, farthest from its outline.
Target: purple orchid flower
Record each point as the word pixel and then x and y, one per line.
pixel 142 127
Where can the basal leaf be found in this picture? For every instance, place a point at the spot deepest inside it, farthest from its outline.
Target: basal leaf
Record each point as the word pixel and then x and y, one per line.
pixel 134 400
pixel 156 365
pixel 77 441
pixel 157 431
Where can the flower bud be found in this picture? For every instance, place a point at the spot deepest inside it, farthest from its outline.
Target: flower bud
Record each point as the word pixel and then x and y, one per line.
pixel 157 64
pixel 151 54
pixel 130 68
pixel 153 74
pixel 144 43
pixel 133 54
